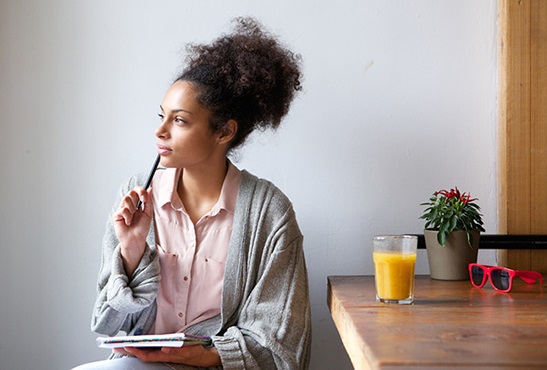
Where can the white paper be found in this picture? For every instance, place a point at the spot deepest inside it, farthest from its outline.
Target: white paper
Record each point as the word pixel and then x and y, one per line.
pixel 163 340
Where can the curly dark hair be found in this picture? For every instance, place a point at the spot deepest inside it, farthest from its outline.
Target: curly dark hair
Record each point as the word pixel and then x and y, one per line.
pixel 246 75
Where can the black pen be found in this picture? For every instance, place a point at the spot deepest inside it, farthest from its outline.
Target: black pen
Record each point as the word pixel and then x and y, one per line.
pixel 149 179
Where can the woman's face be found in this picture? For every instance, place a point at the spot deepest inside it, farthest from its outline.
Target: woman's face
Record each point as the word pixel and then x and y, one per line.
pixel 184 136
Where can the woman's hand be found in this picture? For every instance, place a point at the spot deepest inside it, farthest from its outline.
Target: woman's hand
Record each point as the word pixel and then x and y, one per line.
pixel 132 225
pixel 188 355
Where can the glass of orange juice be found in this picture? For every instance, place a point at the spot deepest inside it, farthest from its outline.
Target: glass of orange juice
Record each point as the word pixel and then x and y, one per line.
pixel 394 260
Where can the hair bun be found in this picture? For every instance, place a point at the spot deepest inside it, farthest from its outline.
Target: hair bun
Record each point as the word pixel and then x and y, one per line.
pixel 246 75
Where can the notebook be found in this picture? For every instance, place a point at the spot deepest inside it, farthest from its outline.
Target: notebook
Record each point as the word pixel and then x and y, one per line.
pixel 162 340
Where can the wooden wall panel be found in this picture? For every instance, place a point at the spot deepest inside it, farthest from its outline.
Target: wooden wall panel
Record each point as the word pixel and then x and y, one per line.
pixel 523 126
pixel 538 119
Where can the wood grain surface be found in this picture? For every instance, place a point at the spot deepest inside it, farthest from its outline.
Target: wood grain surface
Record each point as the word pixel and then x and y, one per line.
pixel 450 324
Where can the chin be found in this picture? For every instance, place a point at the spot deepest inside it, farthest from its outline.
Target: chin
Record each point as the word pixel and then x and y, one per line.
pixel 168 163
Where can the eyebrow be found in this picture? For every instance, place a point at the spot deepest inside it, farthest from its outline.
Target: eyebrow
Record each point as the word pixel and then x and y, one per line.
pixel 177 110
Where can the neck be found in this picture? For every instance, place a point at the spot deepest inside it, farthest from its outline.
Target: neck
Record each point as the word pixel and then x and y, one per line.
pixel 199 189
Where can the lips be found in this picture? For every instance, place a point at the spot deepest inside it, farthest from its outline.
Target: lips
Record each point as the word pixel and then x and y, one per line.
pixel 163 150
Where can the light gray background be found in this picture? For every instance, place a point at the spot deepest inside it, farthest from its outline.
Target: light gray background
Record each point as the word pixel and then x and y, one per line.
pixel 399 100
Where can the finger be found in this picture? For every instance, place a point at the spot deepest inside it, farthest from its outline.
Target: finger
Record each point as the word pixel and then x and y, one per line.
pixel 140 191
pixel 148 203
pixel 127 207
pixel 123 214
pixel 142 197
pixel 132 198
pixel 121 351
pixel 149 355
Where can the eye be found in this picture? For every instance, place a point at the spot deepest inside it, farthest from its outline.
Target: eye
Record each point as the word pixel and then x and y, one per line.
pixel 161 116
pixel 180 121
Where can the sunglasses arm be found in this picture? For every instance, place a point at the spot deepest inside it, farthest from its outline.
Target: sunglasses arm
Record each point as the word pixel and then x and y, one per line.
pixel 530 276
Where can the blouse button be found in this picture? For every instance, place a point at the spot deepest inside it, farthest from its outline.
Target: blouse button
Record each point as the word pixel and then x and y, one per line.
pixel 181 314
pixel 185 278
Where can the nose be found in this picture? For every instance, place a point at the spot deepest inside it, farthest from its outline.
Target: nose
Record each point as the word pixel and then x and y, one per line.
pixel 162 131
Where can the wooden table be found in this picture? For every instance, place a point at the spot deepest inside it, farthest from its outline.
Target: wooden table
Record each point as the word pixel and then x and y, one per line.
pixel 450 324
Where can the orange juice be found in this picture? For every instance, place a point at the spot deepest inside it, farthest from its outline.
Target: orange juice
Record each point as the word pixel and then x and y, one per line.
pixel 394 275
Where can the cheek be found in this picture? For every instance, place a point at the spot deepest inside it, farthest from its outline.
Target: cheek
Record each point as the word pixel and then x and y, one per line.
pixel 190 147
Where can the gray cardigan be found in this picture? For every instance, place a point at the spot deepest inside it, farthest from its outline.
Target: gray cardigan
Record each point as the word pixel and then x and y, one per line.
pixel 265 318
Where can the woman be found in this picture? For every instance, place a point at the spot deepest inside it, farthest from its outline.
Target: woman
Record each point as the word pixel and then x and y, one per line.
pixel 213 251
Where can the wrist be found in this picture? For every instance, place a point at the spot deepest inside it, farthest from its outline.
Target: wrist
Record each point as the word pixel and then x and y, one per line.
pixel 131 258
pixel 214 356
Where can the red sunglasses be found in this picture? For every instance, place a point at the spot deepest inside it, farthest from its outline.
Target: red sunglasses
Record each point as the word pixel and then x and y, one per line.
pixel 501 278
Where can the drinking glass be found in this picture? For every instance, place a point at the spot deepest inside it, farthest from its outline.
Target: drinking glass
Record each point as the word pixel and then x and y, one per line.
pixel 394 260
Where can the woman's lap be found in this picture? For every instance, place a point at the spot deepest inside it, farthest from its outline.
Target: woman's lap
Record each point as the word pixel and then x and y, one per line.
pixel 124 363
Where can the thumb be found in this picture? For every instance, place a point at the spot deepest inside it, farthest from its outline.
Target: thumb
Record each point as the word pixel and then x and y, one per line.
pixel 166 350
pixel 148 203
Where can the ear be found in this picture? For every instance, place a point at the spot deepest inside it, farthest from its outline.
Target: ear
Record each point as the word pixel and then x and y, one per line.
pixel 228 132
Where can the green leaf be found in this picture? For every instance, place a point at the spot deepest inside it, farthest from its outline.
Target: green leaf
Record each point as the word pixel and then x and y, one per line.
pixel 441 238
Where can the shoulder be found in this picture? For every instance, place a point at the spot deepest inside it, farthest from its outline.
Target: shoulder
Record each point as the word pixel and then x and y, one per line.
pixel 264 212
pixel 264 206
pixel 255 189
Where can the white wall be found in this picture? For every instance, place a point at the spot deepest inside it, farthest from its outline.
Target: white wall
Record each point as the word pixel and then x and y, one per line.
pixel 399 101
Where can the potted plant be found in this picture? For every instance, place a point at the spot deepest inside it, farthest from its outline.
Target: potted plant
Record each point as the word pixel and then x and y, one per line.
pixel 452 231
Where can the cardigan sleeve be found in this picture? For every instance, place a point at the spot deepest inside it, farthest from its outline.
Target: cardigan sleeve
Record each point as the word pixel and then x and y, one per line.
pixel 121 299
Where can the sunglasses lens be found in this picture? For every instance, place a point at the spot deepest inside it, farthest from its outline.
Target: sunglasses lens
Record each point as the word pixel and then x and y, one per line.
pixel 500 279
pixel 477 275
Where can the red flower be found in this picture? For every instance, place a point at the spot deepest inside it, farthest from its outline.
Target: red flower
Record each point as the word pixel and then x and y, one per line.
pixel 456 194
pixel 467 198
